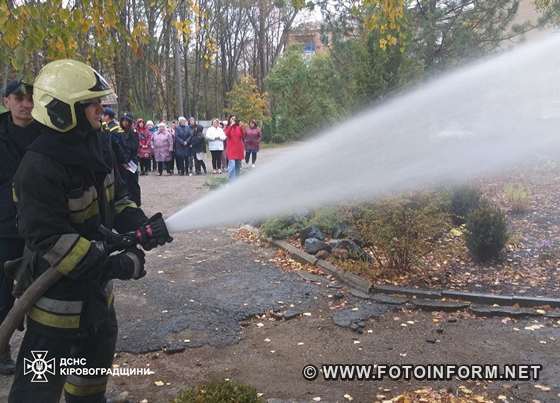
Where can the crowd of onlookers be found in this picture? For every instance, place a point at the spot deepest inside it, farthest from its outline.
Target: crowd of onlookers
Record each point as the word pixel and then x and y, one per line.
pixel 142 147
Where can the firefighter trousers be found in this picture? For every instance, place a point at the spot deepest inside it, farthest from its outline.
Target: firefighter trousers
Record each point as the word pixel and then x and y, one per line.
pixel 97 348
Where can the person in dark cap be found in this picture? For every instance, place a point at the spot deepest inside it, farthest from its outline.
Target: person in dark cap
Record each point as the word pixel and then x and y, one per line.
pixel 111 127
pixel 109 113
pixel 17 132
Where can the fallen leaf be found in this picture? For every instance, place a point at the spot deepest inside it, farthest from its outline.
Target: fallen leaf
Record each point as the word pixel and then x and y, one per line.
pixel 465 390
pixel 542 387
pixel 455 232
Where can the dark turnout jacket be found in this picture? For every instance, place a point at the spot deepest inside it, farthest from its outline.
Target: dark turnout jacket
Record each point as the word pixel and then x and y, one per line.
pixel 129 141
pixel 13 142
pixel 65 187
pixel 113 131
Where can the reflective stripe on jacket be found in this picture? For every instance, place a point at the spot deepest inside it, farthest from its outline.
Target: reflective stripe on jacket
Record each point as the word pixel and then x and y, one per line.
pixel 60 209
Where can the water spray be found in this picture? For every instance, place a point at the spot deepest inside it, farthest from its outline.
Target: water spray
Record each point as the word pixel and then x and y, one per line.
pixel 477 120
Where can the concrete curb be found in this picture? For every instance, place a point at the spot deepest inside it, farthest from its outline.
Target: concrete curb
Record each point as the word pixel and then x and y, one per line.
pixel 365 287
pixel 480 298
pixel 295 252
pixel 349 279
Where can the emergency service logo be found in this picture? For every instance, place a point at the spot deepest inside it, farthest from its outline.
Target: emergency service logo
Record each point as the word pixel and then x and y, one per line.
pixel 39 366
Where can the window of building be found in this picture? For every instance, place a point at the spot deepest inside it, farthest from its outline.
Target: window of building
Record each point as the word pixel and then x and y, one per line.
pixel 309 47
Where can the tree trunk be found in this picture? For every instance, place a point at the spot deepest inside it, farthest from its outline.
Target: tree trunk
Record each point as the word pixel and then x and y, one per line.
pixel 217 90
pixel 178 77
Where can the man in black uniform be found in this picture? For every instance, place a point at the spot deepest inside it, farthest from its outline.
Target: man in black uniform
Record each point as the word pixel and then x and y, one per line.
pixel 17 132
pixel 129 170
pixel 113 130
pixel 66 187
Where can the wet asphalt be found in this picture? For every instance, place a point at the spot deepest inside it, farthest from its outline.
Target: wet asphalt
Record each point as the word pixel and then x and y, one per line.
pixel 198 295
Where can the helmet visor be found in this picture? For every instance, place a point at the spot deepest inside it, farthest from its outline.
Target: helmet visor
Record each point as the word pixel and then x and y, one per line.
pixel 100 83
pixel 109 99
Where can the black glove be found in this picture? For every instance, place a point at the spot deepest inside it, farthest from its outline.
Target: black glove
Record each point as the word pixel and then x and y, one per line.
pixel 127 265
pixel 153 233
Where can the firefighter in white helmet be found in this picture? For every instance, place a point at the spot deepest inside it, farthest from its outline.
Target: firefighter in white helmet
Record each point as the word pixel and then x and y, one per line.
pixel 65 188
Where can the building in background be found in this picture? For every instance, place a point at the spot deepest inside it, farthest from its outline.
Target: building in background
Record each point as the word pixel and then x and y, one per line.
pixel 309 35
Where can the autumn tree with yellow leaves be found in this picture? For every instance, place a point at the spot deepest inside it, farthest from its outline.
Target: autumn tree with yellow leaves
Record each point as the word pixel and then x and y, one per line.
pixel 247 102
pixel 174 57
pixel 34 33
pixel 165 58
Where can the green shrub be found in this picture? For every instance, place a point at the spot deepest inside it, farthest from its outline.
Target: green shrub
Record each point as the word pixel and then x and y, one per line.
pixel 282 227
pixel 518 198
pixel 464 200
pixel 486 233
pixel 219 392
pixel 397 232
pixel 327 219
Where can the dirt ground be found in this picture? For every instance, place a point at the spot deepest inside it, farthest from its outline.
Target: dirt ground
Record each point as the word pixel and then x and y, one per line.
pixel 269 354
pixel 274 367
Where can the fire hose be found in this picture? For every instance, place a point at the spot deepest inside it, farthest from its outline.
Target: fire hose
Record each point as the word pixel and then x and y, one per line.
pixel 115 242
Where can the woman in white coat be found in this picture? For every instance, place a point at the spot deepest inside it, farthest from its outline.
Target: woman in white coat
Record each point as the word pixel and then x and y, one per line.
pixel 216 136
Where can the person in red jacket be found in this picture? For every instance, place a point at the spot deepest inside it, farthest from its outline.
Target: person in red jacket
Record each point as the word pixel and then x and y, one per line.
pixel 235 150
